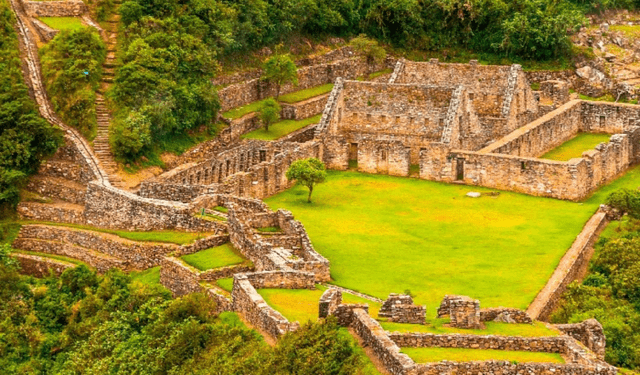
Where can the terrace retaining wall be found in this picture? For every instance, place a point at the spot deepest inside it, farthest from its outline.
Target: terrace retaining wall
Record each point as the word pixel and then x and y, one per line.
pixel 37 266
pixel 58 8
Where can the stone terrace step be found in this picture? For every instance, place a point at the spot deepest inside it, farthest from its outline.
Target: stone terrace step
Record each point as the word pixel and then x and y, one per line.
pixel 56 187
pixel 57 212
pixel 101 262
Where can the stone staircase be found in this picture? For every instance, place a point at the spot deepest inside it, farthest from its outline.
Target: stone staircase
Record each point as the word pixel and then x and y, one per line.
pixel 101 142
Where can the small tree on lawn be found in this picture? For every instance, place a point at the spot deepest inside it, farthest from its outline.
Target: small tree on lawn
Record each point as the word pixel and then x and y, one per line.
pixel 269 113
pixel 280 70
pixel 307 172
pixel 368 48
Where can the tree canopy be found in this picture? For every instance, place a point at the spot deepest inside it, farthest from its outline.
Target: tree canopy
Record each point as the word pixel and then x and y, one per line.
pixel 280 70
pixel 307 172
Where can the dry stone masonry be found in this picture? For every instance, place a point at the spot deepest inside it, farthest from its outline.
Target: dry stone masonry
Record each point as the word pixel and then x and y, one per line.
pixel 399 308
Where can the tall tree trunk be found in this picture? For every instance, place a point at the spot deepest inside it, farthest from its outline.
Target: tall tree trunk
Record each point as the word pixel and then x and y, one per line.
pixel 266 126
pixel 310 191
pixel 277 91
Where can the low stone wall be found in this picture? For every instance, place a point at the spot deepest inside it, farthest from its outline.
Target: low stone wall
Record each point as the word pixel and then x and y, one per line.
pixel 500 313
pixel 572 265
pixel 41 266
pixel 256 311
pixel 329 302
pixel 108 207
pixel 184 193
pixel 58 8
pixel 304 109
pixel 281 280
pixel 179 277
pixel 46 33
pixel 101 262
pixel 509 368
pixel 400 308
pixel 46 212
pixel 590 333
pixel 303 135
pixel 63 169
pixel 374 337
pixel 58 188
pixel 556 344
pixel 223 272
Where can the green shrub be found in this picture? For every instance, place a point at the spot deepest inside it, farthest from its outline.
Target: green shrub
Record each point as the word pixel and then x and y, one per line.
pixel 625 200
pixel 72 69
pixel 130 135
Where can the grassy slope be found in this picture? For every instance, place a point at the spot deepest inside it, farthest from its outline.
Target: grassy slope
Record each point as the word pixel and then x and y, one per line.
pixel 215 257
pixel 226 283
pixel 150 276
pixel 63 23
pixel 385 234
pixel 424 355
pixel 309 93
pixel 302 304
pixel 574 148
pixel 280 129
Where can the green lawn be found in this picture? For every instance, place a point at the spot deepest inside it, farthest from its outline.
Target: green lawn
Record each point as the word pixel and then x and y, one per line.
pixel 425 355
pixel 215 257
pixel 282 128
pixel 386 234
pixel 302 304
pixel 226 283
pixel 63 23
pixel 53 256
pixel 150 276
pixel 574 147
pixel 244 110
pixel 301 95
pixel 537 329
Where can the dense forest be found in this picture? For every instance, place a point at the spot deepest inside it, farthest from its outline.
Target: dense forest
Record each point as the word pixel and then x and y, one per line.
pixel 25 137
pixel 90 324
pixel 171 49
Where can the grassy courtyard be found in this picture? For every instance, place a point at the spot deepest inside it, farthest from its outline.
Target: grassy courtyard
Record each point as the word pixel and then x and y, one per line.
pixel 215 257
pixel 574 147
pixel 63 23
pixel 426 355
pixel 538 329
pixel 281 128
pixel 387 234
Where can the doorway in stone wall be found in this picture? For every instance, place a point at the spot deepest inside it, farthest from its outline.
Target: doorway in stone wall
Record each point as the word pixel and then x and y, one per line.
pixel 353 156
pixel 459 169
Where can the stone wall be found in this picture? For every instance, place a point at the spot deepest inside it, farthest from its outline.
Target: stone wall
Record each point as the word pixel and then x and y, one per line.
pixel 68 170
pixel 37 266
pixel 256 311
pixel 57 8
pixel 46 33
pixel 400 308
pixel 239 94
pixel 552 344
pixel 505 315
pixel 108 207
pixel 590 333
pixel 509 368
pixel 304 109
pixel 541 135
pixel 572 266
pixel 179 278
pixel 572 180
pixel 329 302
pixel 58 188
pixel 46 212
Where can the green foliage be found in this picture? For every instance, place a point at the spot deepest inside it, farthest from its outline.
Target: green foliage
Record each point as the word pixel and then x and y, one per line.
pixel 368 48
pixel 168 59
pixel 25 137
pixel 625 200
pixel 130 135
pixel 280 70
pixel 307 172
pixel 269 113
pixel 611 294
pixel 72 69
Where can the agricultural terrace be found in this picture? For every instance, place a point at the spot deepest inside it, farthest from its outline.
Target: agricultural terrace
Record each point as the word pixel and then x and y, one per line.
pixel 386 234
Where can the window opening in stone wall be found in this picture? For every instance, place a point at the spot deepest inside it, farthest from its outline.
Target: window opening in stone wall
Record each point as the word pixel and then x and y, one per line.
pixel 632 122
pixel 470 96
pixel 228 166
pixel 353 156
pixel 263 155
pixel 601 122
pixel 523 166
pixel 459 169
pixel 383 155
pixel 198 177
pixel 441 122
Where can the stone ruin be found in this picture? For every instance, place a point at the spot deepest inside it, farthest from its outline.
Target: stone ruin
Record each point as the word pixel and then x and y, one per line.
pixel 589 332
pixel 465 312
pixel 399 308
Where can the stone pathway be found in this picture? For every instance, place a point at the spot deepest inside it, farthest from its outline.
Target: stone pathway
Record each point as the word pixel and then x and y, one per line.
pixel 353 292
pixel 101 144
